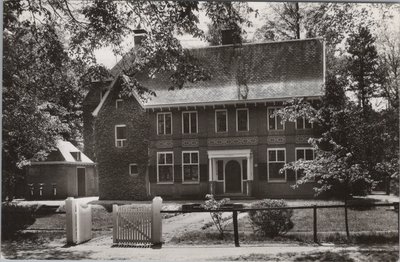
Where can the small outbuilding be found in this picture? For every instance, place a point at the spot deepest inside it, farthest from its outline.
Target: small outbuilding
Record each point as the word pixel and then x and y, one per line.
pixel 67 172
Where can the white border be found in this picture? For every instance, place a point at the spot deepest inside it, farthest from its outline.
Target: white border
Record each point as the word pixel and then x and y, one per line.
pixel 190 122
pixel 275 149
pixel 172 128
pixel 226 120
pixel 115 136
pixel 173 173
pixel 248 120
pixel 198 167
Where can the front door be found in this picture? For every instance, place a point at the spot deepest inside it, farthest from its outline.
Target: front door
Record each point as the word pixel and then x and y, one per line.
pixel 233 177
pixel 81 181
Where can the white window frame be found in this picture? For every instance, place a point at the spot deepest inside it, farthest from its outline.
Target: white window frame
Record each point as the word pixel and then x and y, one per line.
pixel 191 164
pixel 237 122
pixel 190 122
pixel 133 174
pixel 158 131
pixel 173 174
pixel 275 118
pixel 268 162
pixel 119 140
pixel 304 150
pixel 304 124
pixel 226 121
pixel 116 103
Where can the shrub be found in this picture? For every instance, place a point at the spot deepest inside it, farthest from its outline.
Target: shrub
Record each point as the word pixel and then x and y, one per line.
pixel 15 218
pixel 271 223
pixel 212 204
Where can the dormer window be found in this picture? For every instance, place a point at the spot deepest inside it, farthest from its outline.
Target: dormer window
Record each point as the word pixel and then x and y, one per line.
pixel 76 156
pixel 118 103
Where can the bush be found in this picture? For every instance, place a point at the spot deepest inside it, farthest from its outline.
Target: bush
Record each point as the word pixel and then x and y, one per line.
pixel 271 223
pixel 212 204
pixel 15 218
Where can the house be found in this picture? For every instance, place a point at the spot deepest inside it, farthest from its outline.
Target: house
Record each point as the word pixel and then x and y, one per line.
pixel 217 136
pixel 67 172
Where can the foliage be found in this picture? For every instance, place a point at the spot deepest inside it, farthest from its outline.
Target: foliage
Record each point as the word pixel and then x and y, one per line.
pixel 15 218
pixel 212 204
pixel 271 223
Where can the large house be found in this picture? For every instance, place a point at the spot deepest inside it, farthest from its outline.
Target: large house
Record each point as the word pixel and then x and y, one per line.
pixel 217 136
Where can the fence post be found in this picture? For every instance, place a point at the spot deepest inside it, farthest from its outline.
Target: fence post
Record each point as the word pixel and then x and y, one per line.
pixel 315 223
pixel 156 223
pixel 115 223
pixel 70 209
pixel 346 220
pixel 235 228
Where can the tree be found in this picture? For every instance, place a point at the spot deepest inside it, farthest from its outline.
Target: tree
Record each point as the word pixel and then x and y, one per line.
pixel 364 77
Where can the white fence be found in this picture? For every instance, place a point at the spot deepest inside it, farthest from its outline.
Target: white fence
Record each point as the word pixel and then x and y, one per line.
pixel 134 225
pixel 79 221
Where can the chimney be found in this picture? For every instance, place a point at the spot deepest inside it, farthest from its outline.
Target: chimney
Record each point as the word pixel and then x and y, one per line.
pixel 139 35
pixel 230 37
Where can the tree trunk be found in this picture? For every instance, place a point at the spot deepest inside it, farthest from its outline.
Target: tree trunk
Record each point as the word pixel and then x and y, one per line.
pixel 297 20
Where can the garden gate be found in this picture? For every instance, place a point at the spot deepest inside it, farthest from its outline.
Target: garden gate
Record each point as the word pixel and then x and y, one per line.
pixel 134 225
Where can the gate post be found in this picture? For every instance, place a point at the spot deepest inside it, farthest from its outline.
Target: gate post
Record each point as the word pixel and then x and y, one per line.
pixel 115 223
pixel 156 223
pixel 70 209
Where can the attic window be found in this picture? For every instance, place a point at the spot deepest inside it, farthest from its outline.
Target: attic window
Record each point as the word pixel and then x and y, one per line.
pixel 76 156
pixel 118 103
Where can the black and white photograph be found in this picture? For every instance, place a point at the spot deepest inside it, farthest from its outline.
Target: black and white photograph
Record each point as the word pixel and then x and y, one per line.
pixel 200 130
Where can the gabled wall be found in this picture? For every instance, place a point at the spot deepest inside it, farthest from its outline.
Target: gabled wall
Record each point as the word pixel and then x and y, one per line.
pixel 115 182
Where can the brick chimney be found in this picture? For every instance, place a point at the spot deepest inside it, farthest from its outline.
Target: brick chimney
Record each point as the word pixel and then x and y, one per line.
pixel 139 35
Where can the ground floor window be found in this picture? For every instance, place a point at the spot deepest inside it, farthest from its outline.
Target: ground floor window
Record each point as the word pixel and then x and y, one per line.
pixel 276 161
pixel 305 154
pixel 190 166
pixel 165 167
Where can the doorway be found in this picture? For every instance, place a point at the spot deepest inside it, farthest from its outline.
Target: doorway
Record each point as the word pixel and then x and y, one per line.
pixel 81 181
pixel 233 177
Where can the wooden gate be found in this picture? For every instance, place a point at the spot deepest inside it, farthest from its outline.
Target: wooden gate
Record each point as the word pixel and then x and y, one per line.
pixel 132 225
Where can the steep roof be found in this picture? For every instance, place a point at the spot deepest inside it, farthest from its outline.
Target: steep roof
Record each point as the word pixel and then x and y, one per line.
pixel 272 70
pixel 63 155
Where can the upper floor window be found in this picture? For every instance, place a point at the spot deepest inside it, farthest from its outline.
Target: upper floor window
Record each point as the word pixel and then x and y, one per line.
pixel 274 121
pixel 164 123
pixel 190 166
pixel 165 167
pixel 118 103
pixel 276 161
pixel 133 170
pixel 305 154
pixel 303 123
pixel 120 135
pixel 221 121
pixel 189 122
pixel 242 119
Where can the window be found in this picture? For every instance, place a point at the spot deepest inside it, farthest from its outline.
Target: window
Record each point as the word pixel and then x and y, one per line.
pixel 221 121
pixel 164 123
pixel 244 169
pixel 190 167
pixel 76 156
pixel 276 161
pixel 305 154
pixel 303 123
pixel 133 170
pixel 242 119
pixel 165 167
pixel 220 169
pixel 274 122
pixel 189 122
pixel 120 135
pixel 118 103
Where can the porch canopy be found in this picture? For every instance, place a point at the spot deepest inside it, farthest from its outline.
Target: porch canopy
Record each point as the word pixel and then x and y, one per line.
pixel 213 155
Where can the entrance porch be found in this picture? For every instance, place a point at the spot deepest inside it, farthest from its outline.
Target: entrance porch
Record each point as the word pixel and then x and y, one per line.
pixel 230 172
